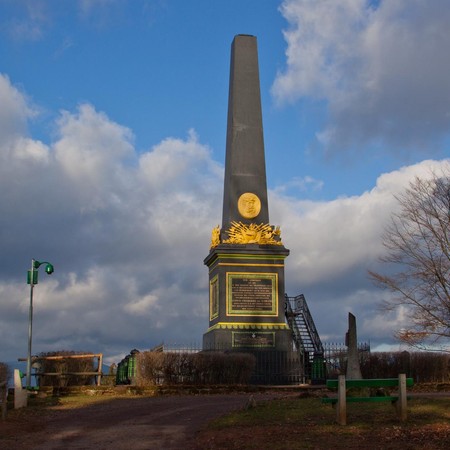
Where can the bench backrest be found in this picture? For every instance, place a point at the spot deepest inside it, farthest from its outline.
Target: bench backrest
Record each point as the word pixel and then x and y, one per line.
pixel 374 382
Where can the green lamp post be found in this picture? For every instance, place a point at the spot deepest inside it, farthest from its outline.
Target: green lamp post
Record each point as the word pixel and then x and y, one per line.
pixel 32 280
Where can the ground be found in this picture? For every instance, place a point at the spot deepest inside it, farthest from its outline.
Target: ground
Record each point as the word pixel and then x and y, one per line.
pixel 168 422
pixel 180 422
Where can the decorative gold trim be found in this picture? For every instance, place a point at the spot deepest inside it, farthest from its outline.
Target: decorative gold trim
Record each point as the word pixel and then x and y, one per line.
pixel 248 326
pixel 249 205
pixel 240 233
pixel 250 265
pixel 263 234
pixel 213 267
pixel 249 256
pixel 215 237
pixel 214 298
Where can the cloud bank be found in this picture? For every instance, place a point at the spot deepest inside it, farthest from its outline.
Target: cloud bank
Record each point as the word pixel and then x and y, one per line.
pixel 380 67
pixel 128 231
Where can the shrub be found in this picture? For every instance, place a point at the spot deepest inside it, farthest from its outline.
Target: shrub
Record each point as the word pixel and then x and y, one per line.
pixel 422 366
pixel 193 368
pixel 149 368
pixel 5 372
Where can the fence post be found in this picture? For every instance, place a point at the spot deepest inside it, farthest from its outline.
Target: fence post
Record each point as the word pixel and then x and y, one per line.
pixel 401 402
pixel 341 407
pixel 100 369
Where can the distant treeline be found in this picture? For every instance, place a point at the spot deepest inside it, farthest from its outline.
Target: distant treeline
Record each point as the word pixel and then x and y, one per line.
pixel 4 372
pixel 423 367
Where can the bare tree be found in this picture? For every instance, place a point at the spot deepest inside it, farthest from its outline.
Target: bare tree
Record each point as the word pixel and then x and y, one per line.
pixel 418 261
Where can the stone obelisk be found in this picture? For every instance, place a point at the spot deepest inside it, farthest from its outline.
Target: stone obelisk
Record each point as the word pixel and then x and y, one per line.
pixel 245 167
pixel 246 258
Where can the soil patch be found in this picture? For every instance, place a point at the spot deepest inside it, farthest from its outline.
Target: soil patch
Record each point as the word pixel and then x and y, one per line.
pixel 118 423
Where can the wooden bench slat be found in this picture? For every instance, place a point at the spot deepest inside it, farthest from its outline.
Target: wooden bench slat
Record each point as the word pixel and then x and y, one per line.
pixel 386 382
pixel 388 398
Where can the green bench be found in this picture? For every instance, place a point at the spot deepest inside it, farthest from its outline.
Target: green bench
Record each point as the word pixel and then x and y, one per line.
pixel 400 400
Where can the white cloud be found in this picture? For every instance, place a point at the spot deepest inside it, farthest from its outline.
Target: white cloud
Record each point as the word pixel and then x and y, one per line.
pixel 28 21
pixel 15 111
pixel 325 231
pixel 381 70
pixel 30 150
pixel 300 184
pixel 332 246
pixel 128 233
pixel 142 306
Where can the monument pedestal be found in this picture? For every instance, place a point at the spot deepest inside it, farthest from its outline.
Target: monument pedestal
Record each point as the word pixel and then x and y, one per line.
pixel 247 307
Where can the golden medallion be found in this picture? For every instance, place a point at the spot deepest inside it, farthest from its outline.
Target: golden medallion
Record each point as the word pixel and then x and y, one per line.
pixel 249 205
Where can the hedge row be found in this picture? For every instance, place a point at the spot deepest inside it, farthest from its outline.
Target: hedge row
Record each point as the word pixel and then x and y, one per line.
pixel 193 368
pixel 422 366
pixel 4 372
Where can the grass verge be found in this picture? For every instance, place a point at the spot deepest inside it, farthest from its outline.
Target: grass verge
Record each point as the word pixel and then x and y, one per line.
pixel 306 423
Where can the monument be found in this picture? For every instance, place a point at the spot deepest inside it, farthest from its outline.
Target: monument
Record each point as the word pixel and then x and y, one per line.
pixel 246 258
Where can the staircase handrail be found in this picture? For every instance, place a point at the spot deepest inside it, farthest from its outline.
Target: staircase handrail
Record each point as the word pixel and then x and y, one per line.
pixel 315 338
pixel 293 325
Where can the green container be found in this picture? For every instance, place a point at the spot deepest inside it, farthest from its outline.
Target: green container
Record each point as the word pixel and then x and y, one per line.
pixel 35 277
pixel 318 372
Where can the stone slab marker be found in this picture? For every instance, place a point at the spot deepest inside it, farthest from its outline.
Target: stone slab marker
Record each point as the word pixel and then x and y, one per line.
pixel 353 367
pixel 20 394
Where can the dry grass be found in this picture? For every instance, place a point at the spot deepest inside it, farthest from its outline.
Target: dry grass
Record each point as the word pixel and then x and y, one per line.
pixel 306 423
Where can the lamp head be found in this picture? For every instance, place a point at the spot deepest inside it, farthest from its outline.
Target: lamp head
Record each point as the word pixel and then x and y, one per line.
pixel 48 268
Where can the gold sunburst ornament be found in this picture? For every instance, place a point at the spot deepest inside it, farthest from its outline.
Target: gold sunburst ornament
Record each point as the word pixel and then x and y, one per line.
pixel 240 233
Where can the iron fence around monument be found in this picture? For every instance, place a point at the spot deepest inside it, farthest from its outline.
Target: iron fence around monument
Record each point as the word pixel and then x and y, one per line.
pixel 193 347
pixel 272 367
pixel 335 355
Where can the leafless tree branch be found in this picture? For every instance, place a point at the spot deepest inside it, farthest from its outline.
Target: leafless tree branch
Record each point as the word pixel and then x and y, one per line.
pixel 417 243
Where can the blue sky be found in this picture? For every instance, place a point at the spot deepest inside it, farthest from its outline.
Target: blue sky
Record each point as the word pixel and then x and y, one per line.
pixel 113 124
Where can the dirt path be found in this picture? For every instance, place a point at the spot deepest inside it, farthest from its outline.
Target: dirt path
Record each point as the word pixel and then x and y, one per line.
pixel 124 423
pixel 163 423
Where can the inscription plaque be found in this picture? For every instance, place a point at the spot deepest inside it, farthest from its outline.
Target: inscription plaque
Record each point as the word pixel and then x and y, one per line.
pixel 252 294
pixel 253 339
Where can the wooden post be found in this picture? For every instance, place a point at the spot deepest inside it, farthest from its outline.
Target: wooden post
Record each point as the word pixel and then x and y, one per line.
pixel 341 407
pixel 401 402
pixel 100 369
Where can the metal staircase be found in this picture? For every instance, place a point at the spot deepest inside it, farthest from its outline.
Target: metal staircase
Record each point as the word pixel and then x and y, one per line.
pixel 306 339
